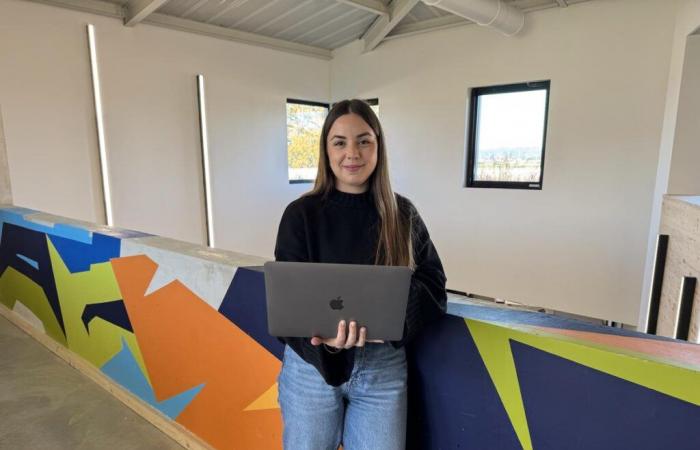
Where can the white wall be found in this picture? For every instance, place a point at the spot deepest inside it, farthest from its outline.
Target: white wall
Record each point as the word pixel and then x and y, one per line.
pixel 48 117
pixel 152 136
pixel 579 244
pixel 687 22
pixel 685 163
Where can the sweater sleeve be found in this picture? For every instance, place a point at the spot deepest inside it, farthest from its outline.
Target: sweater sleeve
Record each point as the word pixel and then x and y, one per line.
pixel 291 243
pixel 427 298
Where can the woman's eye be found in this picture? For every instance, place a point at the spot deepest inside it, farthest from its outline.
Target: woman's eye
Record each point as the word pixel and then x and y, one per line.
pixel 338 143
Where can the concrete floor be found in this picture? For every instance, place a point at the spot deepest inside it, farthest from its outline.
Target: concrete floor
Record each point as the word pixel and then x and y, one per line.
pixel 46 404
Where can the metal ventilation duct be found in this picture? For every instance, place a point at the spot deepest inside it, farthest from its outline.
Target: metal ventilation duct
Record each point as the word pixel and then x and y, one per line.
pixel 507 19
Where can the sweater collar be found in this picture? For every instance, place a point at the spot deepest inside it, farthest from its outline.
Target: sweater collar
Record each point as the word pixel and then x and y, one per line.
pixel 363 200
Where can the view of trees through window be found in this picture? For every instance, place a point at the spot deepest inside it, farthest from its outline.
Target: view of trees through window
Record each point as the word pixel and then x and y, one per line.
pixel 509 130
pixel 304 123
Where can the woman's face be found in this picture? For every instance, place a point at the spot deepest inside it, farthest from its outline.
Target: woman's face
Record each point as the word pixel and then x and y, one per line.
pixel 352 153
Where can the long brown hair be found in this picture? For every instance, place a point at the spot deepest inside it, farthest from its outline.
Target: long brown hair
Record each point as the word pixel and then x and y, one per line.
pixel 394 247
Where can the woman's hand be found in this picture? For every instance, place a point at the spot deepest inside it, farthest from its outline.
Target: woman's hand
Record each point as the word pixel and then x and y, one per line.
pixel 353 338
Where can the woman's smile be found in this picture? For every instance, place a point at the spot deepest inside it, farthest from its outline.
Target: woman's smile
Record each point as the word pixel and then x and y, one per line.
pixel 354 168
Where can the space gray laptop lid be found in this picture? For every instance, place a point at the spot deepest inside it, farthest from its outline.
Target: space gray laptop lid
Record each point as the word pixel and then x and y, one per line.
pixel 309 299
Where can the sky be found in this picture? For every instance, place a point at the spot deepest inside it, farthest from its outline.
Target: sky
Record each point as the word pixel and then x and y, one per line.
pixel 521 113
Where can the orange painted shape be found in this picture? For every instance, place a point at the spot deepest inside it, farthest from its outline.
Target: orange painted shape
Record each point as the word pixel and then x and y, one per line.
pixel 681 352
pixel 185 342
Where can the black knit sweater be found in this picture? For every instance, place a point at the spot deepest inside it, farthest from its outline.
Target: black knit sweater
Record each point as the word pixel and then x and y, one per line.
pixel 343 228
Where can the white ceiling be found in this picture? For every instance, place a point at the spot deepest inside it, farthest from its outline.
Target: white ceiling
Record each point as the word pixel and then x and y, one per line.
pixel 313 27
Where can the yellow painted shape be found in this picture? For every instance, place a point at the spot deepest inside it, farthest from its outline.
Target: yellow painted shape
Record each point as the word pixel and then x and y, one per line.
pixel 268 400
pixel 15 286
pixel 494 348
pixel 492 341
pixel 75 291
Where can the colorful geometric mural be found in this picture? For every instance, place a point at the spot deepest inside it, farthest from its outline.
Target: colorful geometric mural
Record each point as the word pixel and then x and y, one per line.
pixel 522 380
pixel 184 330
pixel 156 338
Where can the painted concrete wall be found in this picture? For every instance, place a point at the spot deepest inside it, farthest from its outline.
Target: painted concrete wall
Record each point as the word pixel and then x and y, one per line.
pixel 183 329
pixel 680 220
pixel 579 244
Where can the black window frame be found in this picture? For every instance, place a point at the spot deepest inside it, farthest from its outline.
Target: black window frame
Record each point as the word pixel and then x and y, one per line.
pixel 470 182
pixel 307 103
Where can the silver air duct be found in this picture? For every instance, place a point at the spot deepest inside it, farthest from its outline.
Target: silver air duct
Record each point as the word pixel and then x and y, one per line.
pixel 507 19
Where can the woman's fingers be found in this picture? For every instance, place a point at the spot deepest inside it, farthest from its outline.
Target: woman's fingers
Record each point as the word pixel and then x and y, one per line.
pixel 363 336
pixel 352 335
pixel 339 340
pixel 347 337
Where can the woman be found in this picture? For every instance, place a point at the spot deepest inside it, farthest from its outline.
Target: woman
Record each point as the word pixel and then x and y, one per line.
pixel 346 389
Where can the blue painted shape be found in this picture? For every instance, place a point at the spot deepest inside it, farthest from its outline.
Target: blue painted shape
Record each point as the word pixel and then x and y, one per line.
pixel 571 406
pixel 19 210
pixel 113 312
pixel 453 403
pixel 245 305
pixel 29 261
pixel 519 317
pixel 124 369
pixel 16 216
pixel 78 256
pixel 31 244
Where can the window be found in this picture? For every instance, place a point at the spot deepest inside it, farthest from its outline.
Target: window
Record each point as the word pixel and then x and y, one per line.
pixel 507 131
pixel 374 104
pixel 304 123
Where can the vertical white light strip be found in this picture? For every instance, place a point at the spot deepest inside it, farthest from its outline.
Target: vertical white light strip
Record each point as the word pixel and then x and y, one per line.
pixel 106 192
pixel 204 141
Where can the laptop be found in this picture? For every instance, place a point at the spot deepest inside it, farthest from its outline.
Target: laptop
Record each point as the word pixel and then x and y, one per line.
pixel 309 299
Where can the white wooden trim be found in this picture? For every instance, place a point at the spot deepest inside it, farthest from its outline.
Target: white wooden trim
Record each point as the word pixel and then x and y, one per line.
pixel 99 7
pixel 384 24
pixel 104 8
pixel 423 26
pixel 137 10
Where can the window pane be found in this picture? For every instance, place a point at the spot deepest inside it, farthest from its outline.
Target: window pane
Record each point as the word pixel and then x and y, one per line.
pixel 509 135
pixel 304 123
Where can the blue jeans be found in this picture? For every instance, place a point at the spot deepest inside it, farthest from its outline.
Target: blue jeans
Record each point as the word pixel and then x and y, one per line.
pixel 366 412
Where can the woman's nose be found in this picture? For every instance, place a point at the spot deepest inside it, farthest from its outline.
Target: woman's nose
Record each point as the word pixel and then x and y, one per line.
pixel 353 151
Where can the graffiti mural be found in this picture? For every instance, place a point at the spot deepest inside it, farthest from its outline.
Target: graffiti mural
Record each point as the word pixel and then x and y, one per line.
pixel 183 328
